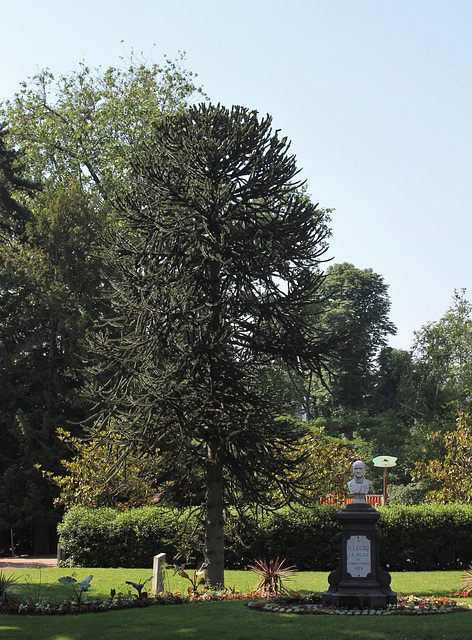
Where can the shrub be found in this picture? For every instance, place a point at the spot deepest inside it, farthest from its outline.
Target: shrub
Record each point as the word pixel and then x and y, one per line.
pixel 426 537
pixel 417 538
pixel 304 537
pixel 107 537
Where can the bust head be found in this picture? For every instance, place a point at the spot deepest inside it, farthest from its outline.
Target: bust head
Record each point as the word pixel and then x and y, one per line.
pixel 358 469
pixel 359 485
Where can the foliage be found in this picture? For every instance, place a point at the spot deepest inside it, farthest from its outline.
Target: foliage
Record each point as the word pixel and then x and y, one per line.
pixel 13 184
pixel 425 537
pixel 465 588
pixel 451 478
pixel 407 494
pixel 272 575
pixel 393 371
pixel 49 280
pixel 215 266
pixel 83 125
pixel 120 602
pixel 33 591
pixel 196 580
pixel 78 588
pixel 6 585
pixel 439 583
pixel 306 601
pixel 356 304
pixel 139 586
pixel 74 134
pixel 20 495
pixel 324 463
pixel 420 537
pixel 310 604
pixel 105 537
pixel 304 536
pixel 442 375
pixel 84 482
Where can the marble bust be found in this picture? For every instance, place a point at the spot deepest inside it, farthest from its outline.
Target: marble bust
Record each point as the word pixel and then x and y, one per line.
pixel 359 486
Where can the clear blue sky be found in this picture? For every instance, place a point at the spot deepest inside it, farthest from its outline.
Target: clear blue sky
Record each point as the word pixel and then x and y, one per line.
pixel 375 96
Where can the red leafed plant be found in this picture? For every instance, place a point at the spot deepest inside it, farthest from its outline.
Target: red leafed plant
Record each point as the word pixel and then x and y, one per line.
pixel 272 575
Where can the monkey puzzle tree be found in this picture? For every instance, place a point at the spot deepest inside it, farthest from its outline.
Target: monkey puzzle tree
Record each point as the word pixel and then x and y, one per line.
pixel 215 270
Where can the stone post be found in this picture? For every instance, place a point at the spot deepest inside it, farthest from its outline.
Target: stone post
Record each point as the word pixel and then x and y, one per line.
pixel 158 573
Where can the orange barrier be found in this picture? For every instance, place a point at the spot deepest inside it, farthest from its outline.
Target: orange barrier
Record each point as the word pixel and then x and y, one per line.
pixel 375 500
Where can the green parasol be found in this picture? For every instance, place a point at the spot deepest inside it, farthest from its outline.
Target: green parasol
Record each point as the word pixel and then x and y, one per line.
pixel 385 462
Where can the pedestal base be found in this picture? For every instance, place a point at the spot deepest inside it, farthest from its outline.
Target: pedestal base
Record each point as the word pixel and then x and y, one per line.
pixel 357 598
pixel 359 582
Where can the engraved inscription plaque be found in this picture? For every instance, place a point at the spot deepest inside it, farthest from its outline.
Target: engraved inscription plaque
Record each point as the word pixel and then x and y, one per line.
pixel 358 556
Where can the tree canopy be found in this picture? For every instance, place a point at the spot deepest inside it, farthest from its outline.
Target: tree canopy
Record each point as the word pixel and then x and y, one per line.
pixel 450 479
pixel 83 125
pixel 355 305
pixel 442 376
pixel 358 304
pixel 73 134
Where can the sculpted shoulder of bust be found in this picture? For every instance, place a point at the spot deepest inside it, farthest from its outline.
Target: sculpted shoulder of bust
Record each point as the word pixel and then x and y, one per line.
pixel 359 484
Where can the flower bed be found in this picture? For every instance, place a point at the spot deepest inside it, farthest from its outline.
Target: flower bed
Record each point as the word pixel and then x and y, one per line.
pixel 311 604
pixel 48 607
pixel 293 604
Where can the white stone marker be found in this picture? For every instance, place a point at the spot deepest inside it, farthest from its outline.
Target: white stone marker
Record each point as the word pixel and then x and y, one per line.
pixel 158 573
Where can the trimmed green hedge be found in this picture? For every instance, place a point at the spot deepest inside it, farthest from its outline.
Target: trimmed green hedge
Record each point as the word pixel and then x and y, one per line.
pixel 106 537
pixel 426 537
pixel 420 538
pixel 304 537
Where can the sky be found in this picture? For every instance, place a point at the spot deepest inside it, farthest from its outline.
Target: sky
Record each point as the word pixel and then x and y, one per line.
pixel 375 97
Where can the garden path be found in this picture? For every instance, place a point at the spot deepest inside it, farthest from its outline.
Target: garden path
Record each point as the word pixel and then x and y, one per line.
pixel 24 562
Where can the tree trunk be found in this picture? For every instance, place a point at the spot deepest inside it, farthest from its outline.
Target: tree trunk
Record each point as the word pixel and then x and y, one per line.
pixel 41 539
pixel 214 520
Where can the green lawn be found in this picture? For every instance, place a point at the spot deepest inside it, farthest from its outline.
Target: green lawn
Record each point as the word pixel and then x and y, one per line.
pixel 232 620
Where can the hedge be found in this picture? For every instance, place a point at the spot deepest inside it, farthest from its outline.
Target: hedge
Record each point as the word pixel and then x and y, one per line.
pixel 106 537
pixel 426 537
pixel 420 538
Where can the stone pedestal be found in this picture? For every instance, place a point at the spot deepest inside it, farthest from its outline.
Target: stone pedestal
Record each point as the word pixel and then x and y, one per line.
pixel 359 581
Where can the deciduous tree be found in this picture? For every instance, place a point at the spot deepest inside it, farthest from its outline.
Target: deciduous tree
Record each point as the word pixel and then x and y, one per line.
pixel 49 279
pixel 356 305
pixel 82 126
pixel 450 479
pixel 441 378
pixel 76 132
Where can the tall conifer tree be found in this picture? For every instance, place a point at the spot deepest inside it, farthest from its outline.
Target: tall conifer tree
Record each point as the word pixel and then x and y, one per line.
pixel 215 270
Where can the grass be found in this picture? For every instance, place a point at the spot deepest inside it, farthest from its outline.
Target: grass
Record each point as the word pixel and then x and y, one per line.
pixel 232 620
pixel 439 583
